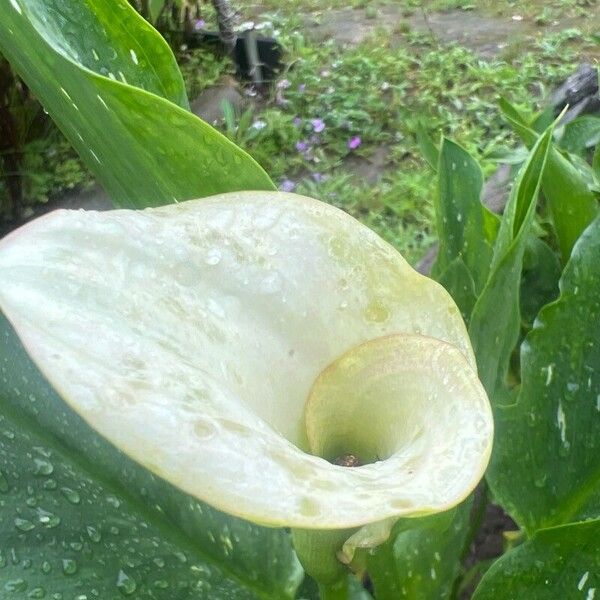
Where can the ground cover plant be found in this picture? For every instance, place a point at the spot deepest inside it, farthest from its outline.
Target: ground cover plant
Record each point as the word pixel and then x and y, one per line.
pixel 81 517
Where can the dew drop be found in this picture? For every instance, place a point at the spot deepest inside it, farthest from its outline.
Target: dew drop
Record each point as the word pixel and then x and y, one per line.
pixel 213 257
pixel 48 519
pixel 43 467
pixel 71 495
pixel 24 524
pixel 93 534
pixel 126 584
pixel 377 312
pixel 15 585
pixel 69 566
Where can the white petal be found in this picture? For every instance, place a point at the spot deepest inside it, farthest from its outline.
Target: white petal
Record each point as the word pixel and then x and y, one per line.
pixel 191 336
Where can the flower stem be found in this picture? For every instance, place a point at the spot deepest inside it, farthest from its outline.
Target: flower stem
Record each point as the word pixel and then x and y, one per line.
pixel 317 551
pixel 335 591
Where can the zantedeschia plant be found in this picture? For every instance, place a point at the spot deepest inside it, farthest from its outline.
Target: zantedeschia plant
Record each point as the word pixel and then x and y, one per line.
pixel 232 366
pixel 236 344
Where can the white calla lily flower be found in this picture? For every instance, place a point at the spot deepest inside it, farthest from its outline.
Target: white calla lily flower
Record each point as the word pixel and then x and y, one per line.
pixel 237 344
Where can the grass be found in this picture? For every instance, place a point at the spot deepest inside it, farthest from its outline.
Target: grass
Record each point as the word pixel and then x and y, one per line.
pixel 379 91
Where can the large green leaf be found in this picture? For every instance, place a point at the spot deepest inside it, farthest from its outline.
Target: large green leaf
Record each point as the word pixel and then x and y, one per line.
pixel 545 467
pixel 421 560
pixel 111 84
pixel 460 219
pixel 495 321
pixel 562 562
pixel 76 515
pixel 580 134
pixel 572 203
pixel 539 284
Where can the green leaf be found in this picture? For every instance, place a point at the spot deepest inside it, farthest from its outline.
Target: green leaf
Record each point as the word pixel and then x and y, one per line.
pixel 562 562
pixel 428 149
pixel 580 134
pixel 77 515
pixel 544 467
pixel 422 557
pixel 572 203
pixel 543 120
pixel 457 279
pixel 117 95
pixel 495 321
pixel 460 219
pixel 539 285
pixel 596 162
pixel 518 122
pixel 155 7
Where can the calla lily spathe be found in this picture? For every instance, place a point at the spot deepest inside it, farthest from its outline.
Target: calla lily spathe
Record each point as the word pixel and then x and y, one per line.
pixel 233 344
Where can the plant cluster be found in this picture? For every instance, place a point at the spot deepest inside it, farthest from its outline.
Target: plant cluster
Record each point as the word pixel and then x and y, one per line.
pixel 174 379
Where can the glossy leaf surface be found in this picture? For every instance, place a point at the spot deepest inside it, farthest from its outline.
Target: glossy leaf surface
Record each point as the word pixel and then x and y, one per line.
pixel 460 218
pixel 572 203
pixel 495 321
pixel 554 428
pixel 562 562
pixel 422 557
pixel 117 95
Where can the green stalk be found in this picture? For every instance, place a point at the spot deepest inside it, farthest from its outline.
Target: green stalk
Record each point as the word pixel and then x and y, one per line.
pixel 317 551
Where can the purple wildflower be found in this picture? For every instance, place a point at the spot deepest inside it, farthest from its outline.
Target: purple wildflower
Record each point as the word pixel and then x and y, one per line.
pixel 297 121
pixel 199 24
pixel 302 146
pixel 318 177
pixel 301 87
pixel 287 185
pixel 318 125
pixel 354 142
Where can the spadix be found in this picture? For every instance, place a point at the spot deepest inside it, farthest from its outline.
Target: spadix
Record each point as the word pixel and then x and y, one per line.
pixel 236 344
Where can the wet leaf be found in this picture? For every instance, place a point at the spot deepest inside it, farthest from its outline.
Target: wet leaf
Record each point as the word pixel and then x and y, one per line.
pixel 572 203
pixel 581 134
pixel 422 557
pixel 464 256
pixel 544 468
pixel 117 95
pixel 495 321
pixel 562 562
pixel 539 284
